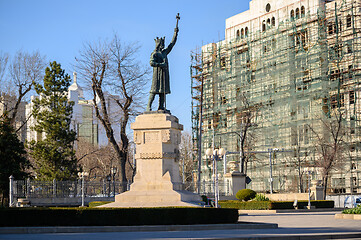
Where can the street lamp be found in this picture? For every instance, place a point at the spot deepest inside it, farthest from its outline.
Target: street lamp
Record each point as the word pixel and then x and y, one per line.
pixel 217 154
pixel 109 179
pixel 309 172
pixel 81 175
pixel 113 172
pixel 270 151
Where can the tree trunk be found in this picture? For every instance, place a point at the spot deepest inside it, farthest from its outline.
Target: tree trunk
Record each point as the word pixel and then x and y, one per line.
pixel 325 181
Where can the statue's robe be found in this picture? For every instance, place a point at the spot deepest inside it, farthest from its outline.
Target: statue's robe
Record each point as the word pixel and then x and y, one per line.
pixel 159 62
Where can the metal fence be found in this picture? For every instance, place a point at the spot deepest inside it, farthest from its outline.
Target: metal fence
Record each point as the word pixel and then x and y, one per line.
pixel 34 190
pixel 65 189
pixel 208 188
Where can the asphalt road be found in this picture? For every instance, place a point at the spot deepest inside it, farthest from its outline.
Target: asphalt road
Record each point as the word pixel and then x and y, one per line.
pixel 314 225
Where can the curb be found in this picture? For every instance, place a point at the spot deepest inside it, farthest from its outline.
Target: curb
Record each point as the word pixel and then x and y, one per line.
pixel 300 236
pixel 289 211
pixel 92 229
pixel 348 216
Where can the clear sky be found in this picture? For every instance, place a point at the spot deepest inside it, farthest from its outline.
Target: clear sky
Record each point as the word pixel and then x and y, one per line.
pixel 58 30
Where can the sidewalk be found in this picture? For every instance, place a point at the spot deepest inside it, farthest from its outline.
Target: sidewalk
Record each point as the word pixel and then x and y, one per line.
pixel 296 225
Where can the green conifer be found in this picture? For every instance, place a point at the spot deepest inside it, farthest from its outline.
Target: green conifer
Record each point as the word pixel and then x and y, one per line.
pixel 54 155
pixel 12 155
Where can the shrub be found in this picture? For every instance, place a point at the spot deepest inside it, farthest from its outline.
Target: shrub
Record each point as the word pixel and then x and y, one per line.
pixel 245 194
pixel 356 210
pixel 115 216
pixel 260 197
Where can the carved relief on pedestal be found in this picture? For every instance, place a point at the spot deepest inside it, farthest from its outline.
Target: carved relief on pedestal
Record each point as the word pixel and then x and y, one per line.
pixel 151 137
pixel 157 155
pixel 138 137
pixel 166 136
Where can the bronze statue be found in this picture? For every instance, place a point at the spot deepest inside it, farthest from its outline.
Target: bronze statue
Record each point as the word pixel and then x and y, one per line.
pixel 159 62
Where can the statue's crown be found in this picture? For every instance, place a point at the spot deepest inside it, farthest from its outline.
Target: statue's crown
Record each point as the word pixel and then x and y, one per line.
pixel 159 40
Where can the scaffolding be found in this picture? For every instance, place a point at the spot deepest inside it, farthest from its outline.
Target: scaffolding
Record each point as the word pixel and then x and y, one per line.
pixel 287 76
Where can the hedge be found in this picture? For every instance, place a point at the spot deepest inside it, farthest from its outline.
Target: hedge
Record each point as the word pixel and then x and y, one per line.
pixel 115 216
pixel 98 203
pixel 250 205
pixel 268 205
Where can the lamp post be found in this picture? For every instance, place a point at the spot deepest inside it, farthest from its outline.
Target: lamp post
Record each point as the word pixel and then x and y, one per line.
pixel 309 172
pixel 113 172
pixel 109 179
pixel 81 175
pixel 270 151
pixel 217 154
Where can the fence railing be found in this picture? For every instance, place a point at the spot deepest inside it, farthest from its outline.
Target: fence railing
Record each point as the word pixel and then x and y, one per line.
pixel 33 189
pixel 65 189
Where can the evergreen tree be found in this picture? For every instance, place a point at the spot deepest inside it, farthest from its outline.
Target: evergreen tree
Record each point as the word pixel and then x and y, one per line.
pixel 12 156
pixel 54 156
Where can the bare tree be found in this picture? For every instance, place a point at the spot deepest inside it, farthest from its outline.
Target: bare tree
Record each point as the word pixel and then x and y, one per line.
pixel 25 70
pixel 247 136
pixel 111 67
pixel 97 161
pixel 186 164
pixel 4 57
pixel 329 144
pixel 298 161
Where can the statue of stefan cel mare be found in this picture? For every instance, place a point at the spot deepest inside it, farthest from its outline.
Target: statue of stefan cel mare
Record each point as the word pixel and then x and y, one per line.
pixel 159 62
pixel 157 135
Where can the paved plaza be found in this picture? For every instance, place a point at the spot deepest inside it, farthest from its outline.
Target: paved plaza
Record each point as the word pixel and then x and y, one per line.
pixel 292 225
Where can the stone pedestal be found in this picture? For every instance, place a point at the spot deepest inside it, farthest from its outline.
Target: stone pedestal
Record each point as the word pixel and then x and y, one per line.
pixel 157 181
pixel 236 181
pixel 316 190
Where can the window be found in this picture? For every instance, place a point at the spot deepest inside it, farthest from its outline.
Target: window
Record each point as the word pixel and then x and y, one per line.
pixel 354 166
pixel 268 7
pixel 263 26
pixel 352 97
pixel 246 32
pixel 223 100
pixel 348 21
pixel 330 28
pixel 297 13
pixel 338 100
pixel 302 11
pixel 292 14
pixel 237 33
pixel 223 62
pixel 242 33
pixel 294 136
pixel 350 70
pixel 273 21
pixel 349 46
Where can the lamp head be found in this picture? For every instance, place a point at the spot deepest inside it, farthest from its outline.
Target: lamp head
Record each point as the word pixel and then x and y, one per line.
pixel 209 152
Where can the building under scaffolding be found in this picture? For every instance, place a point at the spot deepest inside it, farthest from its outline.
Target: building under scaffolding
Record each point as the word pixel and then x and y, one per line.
pixel 283 67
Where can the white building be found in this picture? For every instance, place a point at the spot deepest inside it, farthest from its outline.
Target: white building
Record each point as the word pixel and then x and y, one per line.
pixel 84 120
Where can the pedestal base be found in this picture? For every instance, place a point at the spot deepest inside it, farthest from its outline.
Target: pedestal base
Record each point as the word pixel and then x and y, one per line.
pixel 157 182
pixel 156 199
pixel 236 180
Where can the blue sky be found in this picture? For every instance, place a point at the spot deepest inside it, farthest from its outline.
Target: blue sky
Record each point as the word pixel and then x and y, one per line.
pixel 58 30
